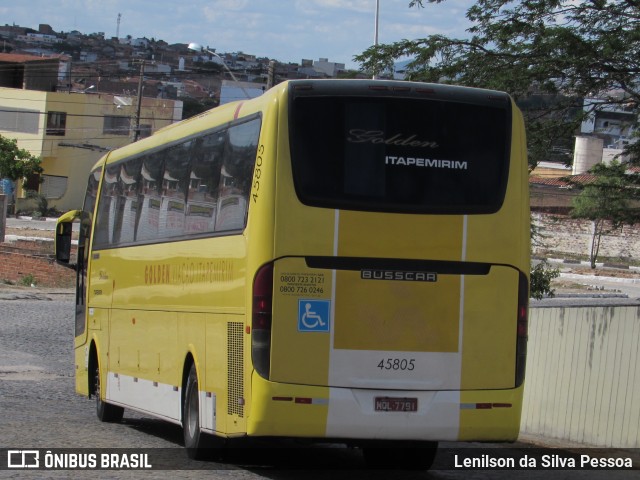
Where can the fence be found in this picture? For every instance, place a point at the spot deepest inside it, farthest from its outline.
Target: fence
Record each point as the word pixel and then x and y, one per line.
pixel 583 375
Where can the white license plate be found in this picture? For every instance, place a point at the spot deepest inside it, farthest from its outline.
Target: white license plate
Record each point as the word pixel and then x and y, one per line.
pixel 392 404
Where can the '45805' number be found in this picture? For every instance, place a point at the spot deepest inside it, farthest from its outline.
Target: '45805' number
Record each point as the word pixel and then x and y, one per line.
pixel 397 364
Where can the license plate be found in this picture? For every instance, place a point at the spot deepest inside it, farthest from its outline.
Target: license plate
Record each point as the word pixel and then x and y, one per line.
pixel 390 404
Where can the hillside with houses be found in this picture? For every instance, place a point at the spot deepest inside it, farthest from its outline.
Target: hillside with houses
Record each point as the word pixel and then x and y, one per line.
pixel 113 65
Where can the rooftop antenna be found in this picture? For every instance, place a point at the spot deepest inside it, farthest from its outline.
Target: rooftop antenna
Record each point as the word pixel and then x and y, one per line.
pixel 118 27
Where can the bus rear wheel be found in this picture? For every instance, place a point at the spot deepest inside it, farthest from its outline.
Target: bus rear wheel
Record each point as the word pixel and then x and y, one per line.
pixel 105 411
pixel 401 455
pixel 198 445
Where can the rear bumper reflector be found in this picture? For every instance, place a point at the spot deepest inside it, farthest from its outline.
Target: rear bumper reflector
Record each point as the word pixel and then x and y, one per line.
pixel 484 406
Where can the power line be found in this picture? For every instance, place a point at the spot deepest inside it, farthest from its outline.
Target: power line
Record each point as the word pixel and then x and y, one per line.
pixel 83 115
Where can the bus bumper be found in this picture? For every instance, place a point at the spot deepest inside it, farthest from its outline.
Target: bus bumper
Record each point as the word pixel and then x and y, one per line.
pixel 286 410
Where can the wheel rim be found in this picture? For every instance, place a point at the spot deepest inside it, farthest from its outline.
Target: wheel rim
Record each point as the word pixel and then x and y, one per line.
pixel 192 411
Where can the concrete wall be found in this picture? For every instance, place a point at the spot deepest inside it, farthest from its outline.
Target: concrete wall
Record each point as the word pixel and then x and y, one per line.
pixel 566 235
pixel 583 375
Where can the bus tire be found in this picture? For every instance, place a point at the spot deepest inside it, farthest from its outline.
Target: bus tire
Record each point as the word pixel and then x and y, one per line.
pixel 401 456
pixel 199 445
pixel 104 411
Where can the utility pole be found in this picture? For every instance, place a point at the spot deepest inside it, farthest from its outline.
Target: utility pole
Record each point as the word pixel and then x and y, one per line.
pixel 136 131
pixel 4 199
pixel 376 22
pixel 375 33
pixel 271 74
pixel 69 82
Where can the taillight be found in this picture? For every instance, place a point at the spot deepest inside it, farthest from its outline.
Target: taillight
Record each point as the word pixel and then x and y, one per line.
pixel 522 328
pixel 261 316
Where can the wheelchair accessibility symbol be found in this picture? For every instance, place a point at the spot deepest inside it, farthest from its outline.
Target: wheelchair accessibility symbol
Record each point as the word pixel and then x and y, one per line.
pixel 313 315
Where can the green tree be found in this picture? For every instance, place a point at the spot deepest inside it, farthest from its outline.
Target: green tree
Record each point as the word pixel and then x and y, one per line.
pixel 607 202
pixel 564 50
pixel 192 107
pixel 541 276
pixel 17 163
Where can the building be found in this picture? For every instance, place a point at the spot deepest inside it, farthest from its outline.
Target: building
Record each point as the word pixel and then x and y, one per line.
pixel 605 133
pixel 614 123
pixel 12 31
pixel 330 69
pixel 29 72
pixel 70 131
pixel 39 39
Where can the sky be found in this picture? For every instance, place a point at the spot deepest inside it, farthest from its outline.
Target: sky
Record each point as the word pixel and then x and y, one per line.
pixel 284 30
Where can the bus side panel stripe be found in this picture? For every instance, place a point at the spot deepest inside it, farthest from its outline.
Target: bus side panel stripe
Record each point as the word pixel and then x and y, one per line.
pixel 465 223
pixel 236 114
pixel 463 257
pixel 139 394
pixel 336 237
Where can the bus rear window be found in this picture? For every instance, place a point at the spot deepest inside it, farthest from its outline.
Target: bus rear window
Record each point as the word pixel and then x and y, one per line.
pixel 400 154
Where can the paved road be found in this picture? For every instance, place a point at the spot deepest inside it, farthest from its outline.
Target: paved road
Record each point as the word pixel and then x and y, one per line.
pixel 39 409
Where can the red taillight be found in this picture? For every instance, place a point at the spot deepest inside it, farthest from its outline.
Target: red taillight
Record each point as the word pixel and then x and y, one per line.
pixel 522 324
pixel 262 298
pixel 522 329
pixel 261 317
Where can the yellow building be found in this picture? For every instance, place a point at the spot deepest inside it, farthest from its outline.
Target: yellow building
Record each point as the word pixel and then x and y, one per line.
pixel 70 131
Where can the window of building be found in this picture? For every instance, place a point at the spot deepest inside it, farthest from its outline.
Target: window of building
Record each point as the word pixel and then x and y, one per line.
pixel 53 186
pixel 19 120
pixel 56 123
pixel 116 125
pixel 145 131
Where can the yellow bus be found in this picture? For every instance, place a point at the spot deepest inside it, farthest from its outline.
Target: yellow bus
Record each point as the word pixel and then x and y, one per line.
pixel 340 260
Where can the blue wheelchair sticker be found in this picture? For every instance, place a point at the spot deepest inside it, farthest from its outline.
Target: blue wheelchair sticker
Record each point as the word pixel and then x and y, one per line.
pixel 314 315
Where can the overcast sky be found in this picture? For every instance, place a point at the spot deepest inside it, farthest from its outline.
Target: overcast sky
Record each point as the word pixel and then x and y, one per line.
pixel 285 30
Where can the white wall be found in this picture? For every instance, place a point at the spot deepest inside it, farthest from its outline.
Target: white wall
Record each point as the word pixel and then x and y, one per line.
pixel 583 375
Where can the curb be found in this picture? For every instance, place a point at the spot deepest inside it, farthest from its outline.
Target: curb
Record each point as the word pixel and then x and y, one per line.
pixel 577 276
pixel 615 266
pixel 37 219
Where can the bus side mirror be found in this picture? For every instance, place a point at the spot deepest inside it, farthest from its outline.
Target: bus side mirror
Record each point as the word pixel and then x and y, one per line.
pixel 64 229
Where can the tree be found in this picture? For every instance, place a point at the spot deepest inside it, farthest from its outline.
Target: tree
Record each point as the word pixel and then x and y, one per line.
pixel 607 202
pixel 541 276
pixel 567 50
pixel 192 107
pixel 17 163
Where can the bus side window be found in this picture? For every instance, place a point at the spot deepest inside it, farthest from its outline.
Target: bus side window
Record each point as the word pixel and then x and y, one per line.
pixel 107 207
pixel 235 178
pixel 149 197
pixel 127 201
pixel 204 183
pixel 175 184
